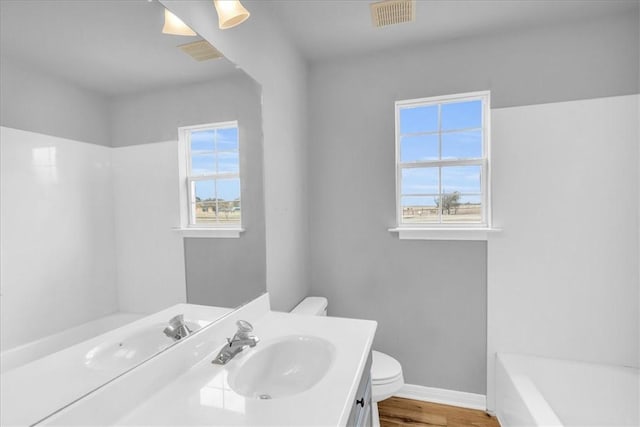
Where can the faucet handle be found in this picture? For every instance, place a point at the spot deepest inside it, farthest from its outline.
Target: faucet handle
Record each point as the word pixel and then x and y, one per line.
pixel 244 326
pixel 170 332
pixel 177 321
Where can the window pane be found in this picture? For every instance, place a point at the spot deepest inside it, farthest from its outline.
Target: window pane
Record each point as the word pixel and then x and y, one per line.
pixel 202 141
pixel 461 179
pixel 205 201
pixel 419 209
pixel 228 162
pixel 462 145
pixel 462 115
pixel 228 189
pixel 419 119
pixel 228 139
pixel 229 200
pixel 203 164
pixel 420 181
pixel 462 209
pixel 417 148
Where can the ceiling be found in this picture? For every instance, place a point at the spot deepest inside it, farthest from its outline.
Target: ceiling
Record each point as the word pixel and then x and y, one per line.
pixel 115 47
pixel 327 28
pixel 112 47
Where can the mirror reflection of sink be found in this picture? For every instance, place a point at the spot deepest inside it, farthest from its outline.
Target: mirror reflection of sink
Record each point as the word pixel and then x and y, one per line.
pixel 132 349
pixel 282 367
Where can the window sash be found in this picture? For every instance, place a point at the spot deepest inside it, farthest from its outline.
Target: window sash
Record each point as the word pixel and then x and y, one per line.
pixel 191 181
pixel 483 184
pixel 483 161
pixel 439 132
pixel 445 163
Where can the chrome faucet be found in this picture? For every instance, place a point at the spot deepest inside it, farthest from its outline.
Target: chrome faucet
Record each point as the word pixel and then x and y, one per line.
pixel 235 345
pixel 177 328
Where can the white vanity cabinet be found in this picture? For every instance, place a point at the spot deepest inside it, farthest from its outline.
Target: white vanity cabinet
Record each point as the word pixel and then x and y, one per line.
pixel 360 415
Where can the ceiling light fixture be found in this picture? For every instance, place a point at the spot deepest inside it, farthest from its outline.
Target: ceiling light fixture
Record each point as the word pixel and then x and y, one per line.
pixel 230 13
pixel 174 25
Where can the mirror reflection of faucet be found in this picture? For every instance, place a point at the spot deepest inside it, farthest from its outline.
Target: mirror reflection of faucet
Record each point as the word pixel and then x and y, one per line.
pixel 177 328
pixel 235 345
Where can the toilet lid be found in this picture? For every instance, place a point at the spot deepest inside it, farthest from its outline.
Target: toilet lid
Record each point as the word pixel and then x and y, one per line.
pixel 384 368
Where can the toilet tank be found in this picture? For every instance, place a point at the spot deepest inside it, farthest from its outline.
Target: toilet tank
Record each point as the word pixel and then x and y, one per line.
pixel 312 306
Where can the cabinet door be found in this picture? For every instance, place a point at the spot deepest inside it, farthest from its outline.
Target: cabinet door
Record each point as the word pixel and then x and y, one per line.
pixel 361 408
pixel 364 416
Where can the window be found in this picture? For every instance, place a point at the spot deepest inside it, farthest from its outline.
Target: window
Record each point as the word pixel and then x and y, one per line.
pixel 210 176
pixel 442 159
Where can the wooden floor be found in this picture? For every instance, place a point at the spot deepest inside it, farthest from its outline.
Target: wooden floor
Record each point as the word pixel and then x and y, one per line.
pixel 405 412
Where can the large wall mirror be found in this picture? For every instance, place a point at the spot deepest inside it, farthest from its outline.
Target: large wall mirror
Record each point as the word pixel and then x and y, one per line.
pixel 93 95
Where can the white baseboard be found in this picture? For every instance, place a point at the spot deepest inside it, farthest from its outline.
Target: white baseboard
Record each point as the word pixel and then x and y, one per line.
pixel 446 397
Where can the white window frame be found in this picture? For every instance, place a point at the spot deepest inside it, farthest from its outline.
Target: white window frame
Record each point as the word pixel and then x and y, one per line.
pixel 448 230
pixel 188 225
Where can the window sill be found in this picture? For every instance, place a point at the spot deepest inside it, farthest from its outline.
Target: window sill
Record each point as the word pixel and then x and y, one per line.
pixel 210 233
pixel 407 233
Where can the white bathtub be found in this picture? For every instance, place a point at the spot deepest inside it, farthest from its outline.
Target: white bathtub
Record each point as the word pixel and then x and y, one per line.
pixel 538 391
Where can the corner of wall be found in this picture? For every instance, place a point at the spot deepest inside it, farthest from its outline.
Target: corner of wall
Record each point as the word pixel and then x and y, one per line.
pixel 282 74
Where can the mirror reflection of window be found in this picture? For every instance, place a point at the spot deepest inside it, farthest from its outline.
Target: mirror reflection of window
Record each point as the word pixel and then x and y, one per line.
pixel 213 174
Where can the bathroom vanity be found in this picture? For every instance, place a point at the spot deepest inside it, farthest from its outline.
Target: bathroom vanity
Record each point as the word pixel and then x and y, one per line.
pixel 305 370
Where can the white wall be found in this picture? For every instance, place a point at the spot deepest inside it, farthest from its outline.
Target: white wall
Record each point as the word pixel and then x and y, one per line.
pixel 149 254
pixel 261 50
pixel 563 273
pixel 57 247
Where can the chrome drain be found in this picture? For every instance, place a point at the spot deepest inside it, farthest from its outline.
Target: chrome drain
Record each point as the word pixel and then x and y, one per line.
pixel 264 397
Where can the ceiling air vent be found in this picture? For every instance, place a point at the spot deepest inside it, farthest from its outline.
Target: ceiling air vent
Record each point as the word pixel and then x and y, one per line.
pixel 391 12
pixel 200 50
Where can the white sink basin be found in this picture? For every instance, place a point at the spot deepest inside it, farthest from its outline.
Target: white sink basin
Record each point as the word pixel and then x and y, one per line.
pixel 282 367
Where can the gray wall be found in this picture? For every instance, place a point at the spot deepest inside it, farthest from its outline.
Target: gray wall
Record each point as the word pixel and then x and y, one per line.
pixel 39 102
pixel 223 272
pixel 429 297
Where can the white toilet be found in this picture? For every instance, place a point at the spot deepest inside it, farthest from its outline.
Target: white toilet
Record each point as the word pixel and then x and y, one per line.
pixel 386 372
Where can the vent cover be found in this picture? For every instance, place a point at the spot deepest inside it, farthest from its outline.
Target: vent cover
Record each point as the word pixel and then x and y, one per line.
pixel 391 12
pixel 200 50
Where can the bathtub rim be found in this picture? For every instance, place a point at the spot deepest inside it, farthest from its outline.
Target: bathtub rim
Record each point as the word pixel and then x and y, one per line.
pixel 510 366
pixel 537 406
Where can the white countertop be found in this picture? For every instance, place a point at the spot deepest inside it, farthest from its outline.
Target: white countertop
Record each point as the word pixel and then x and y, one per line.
pixel 202 395
pixel 35 390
